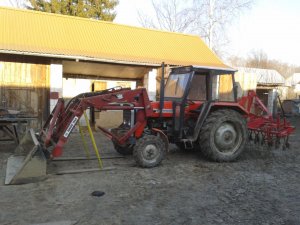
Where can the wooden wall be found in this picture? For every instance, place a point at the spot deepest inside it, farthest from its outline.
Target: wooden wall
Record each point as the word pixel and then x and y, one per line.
pixel 246 82
pixel 25 87
pixel 226 88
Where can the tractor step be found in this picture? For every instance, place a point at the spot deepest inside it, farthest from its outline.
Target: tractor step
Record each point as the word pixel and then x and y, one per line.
pixel 188 143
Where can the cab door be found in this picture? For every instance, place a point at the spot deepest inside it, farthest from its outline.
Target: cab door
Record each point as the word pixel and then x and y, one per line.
pixel 176 90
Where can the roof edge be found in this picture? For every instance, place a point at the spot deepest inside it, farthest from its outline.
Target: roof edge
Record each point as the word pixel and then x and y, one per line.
pixel 216 68
pixel 80 58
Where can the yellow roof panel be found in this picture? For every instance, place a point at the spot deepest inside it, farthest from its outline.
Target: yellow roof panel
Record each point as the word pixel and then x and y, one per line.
pixel 31 32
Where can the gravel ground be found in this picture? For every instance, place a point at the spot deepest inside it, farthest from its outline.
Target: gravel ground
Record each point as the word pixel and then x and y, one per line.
pixel 262 187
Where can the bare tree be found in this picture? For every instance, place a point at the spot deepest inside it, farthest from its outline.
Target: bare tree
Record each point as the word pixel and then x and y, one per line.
pixel 207 18
pixel 170 15
pixel 17 3
pixel 213 18
pixel 259 59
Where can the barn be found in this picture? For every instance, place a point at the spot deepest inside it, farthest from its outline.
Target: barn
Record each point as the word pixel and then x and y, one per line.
pixel 267 83
pixel 293 84
pixel 46 56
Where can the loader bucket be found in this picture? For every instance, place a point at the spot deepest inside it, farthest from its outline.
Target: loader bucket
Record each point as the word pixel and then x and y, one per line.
pixel 28 163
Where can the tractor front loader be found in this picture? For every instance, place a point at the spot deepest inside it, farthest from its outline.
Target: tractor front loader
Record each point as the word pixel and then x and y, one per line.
pixel 192 113
pixel 29 160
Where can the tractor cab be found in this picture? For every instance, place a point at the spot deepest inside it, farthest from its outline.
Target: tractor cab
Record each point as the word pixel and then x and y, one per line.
pixel 192 92
pixel 200 84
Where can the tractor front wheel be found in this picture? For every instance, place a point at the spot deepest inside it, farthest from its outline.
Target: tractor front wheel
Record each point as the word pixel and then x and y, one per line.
pixel 223 135
pixel 149 151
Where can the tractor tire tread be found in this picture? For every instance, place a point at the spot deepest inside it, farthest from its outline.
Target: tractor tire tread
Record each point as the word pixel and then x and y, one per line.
pixel 142 142
pixel 204 136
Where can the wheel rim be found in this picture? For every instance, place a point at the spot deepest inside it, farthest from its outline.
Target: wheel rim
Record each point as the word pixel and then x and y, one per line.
pixel 227 138
pixel 150 153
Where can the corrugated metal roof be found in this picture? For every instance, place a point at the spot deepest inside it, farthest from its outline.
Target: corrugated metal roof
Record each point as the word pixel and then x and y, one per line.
pixel 264 76
pixel 38 33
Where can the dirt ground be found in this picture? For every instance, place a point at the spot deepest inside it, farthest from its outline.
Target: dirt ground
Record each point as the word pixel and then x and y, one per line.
pixel 262 187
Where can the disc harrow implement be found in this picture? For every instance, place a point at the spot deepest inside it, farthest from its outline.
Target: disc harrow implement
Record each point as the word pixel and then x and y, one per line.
pixel 263 128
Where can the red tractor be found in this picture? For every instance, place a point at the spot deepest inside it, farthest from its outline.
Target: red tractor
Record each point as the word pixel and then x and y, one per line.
pixel 190 114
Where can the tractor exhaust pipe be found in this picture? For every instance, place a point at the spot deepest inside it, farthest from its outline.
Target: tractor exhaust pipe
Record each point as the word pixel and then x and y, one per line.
pixel 162 90
pixel 28 163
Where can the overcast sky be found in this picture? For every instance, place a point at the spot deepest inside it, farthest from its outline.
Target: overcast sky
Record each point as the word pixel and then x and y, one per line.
pixel 271 25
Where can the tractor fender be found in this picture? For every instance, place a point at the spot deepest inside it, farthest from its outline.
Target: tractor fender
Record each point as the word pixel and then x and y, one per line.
pixel 229 105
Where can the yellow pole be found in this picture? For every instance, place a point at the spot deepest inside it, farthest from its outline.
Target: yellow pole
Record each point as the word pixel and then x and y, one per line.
pixel 84 142
pixel 93 139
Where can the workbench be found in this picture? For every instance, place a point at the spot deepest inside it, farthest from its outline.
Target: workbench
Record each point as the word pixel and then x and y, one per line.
pixel 10 126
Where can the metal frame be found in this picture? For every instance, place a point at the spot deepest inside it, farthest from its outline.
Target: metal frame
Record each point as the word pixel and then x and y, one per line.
pixel 265 126
pixel 10 127
pixel 63 118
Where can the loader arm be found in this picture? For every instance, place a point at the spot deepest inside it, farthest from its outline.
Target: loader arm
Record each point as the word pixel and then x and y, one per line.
pixel 63 118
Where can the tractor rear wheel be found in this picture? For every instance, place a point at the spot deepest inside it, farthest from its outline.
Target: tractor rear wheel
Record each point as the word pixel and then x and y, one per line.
pixel 149 151
pixel 223 135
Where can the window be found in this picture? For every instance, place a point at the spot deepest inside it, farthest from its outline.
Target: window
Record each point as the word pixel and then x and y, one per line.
pixel 176 85
pixel 223 87
pixel 198 88
pixel 226 88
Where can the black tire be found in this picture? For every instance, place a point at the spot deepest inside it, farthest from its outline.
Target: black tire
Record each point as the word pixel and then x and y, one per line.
pixel 223 135
pixel 123 150
pixel 149 151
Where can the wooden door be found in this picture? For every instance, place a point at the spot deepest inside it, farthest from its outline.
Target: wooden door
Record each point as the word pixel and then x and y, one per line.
pixel 25 88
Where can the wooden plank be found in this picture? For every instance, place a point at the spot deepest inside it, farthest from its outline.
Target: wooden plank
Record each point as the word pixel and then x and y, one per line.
pixel 10 133
pixel 84 170
pixel 62 222
pixel 84 158
pixel 25 87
